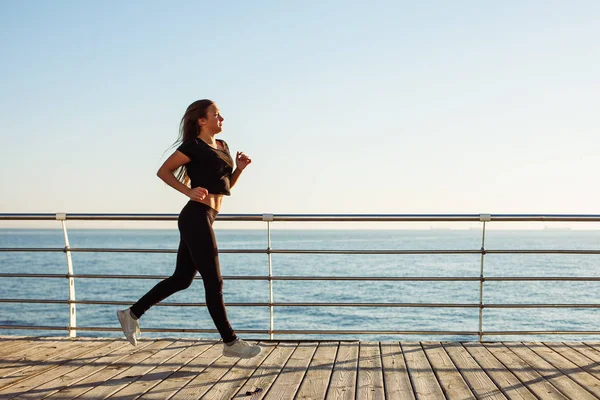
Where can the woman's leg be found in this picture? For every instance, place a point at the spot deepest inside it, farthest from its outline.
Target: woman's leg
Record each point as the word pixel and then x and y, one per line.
pixel 200 239
pixel 182 278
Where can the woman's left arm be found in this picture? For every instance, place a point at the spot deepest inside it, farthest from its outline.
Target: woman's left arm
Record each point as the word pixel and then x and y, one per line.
pixel 241 162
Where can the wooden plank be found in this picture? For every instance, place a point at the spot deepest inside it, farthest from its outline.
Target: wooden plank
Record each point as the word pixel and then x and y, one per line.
pixel 585 350
pixel 587 364
pixel 112 378
pixel 266 374
pixel 21 347
pixel 14 346
pixel 509 384
pixel 167 388
pixel 132 374
pixel 478 380
pixel 7 343
pixel 29 357
pixel 594 345
pixel 290 378
pixel 424 382
pixel 214 366
pixel 183 353
pixel 451 381
pixel 559 380
pixel 526 374
pixel 39 364
pixel 142 351
pixel 343 379
pixel 233 380
pixel 83 370
pixel 570 369
pixel 395 373
pixel 316 381
pixel 370 375
pixel 27 385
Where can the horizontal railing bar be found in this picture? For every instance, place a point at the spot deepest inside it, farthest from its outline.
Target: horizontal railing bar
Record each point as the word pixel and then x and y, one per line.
pixel 101 250
pixel 434 305
pixel 463 333
pixel 424 278
pixel 547 251
pixel 267 304
pixel 90 217
pixel 35 327
pixel 499 333
pixel 353 252
pixel 301 251
pixel 290 332
pixel 33 249
pixel 252 278
pixel 544 278
pixel 109 329
pixel 238 251
pixel 190 330
pixel 371 252
pixel 534 305
pixel 168 304
pixel 250 331
pixel 34 301
pixel 318 217
pixel 14 275
pixel 323 278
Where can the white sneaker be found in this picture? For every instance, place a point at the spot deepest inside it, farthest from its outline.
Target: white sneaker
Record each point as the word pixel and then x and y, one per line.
pixel 241 349
pixel 138 333
pixel 130 326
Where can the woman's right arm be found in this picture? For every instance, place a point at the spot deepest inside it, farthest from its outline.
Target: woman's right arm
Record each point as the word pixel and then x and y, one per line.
pixel 166 173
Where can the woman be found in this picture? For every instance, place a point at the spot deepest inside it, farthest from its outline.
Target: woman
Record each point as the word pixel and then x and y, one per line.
pixel 206 164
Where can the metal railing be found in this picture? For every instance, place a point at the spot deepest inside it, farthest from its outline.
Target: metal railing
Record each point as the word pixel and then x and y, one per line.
pixel 271 304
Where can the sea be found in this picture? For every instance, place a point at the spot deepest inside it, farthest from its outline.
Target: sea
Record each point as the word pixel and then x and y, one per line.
pixel 339 265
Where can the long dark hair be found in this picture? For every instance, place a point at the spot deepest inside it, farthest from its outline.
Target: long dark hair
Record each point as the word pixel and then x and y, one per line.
pixel 189 130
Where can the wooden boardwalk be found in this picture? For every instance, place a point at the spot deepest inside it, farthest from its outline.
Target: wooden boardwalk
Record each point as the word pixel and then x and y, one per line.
pixel 92 368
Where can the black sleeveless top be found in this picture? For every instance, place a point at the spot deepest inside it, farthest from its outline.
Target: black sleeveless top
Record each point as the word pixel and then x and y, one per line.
pixel 209 168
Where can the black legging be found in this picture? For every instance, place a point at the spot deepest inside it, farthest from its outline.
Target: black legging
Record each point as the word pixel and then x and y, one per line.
pixel 197 252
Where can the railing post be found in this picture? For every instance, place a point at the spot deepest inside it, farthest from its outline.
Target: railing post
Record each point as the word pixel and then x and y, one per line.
pixel 72 310
pixel 483 218
pixel 268 218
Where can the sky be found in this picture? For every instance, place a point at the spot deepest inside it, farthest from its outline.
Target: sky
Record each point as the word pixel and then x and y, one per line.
pixel 384 107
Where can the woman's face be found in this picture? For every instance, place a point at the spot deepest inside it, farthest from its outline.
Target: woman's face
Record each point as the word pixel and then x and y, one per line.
pixel 213 123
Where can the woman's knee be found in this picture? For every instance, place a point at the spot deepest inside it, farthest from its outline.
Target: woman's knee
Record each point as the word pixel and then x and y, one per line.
pixel 180 282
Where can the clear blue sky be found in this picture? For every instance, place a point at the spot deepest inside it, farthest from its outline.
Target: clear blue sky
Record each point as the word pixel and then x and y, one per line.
pixel 344 106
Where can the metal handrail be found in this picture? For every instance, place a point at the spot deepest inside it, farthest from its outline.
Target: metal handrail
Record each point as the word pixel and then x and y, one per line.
pixel 298 251
pixel 268 218
pixel 317 304
pixel 321 278
pixel 320 217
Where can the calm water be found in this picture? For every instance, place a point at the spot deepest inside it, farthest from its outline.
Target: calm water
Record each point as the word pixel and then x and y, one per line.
pixel 454 319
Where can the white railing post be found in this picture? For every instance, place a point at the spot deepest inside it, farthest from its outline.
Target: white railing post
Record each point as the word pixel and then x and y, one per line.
pixel 268 218
pixel 72 310
pixel 483 218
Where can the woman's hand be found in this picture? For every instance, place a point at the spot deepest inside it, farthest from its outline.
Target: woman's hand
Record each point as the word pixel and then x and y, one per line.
pixel 197 193
pixel 242 160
